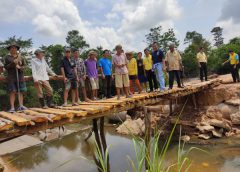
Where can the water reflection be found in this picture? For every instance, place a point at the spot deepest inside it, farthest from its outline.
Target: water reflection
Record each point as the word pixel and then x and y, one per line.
pixel 80 156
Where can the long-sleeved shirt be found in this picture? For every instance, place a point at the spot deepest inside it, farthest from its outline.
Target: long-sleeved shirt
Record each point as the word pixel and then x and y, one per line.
pixel 132 67
pixel 40 70
pixel 10 66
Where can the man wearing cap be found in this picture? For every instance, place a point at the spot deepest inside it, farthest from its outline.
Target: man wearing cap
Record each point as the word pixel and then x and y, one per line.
pixel 173 62
pixel 81 72
pixel 92 72
pixel 121 72
pixel 40 71
pixel 158 65
pixel 69 72
pixel 14 64
pixel 233 59
pixel 105 65
pixel 202 63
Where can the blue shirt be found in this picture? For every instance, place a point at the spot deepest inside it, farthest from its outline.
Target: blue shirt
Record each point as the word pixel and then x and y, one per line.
pixel 157 56
pixel 106 65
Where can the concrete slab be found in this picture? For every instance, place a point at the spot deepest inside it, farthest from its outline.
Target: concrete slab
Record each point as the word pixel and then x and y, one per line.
pixel 17 144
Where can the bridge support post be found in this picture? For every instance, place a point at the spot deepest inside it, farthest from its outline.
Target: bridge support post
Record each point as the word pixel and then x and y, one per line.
pixel 194 101
pixel 147 121
pixel 170 107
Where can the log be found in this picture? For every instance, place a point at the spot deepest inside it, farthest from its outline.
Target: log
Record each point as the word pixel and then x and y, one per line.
pixel 49 117
pixel 20 121
pixel 74 112
pixel 5 126
pixel 54 111
pixel 36 119
pixel 89 110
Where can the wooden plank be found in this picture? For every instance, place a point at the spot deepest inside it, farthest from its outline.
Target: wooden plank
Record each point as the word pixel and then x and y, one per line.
pixel 89 110
pixel 5 124
pixel 113 105
pixel 74 112
pixel 55 112
pixel 20 121
pixel 50 117
pixel 37 119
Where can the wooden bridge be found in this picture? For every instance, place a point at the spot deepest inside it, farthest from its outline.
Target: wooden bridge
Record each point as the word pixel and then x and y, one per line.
pixel 37 119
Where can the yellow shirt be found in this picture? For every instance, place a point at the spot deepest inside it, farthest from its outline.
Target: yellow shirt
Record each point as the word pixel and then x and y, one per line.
pixel 132 67
pixel 174 60
pixel 147 62
pixel 233 58
pixel 201 57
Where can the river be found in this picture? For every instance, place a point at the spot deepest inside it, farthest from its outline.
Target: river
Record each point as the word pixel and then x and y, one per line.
pixel 72 154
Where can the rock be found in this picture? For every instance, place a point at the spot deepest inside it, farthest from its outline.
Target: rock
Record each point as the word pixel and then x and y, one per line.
pixel 235 118
pixel 217 133
pixel 233 102
pixel 220 124
pixel 204 136
pixel 213 112
pixel 132 127
pixel 227 110
pixel 205 128
pixel 185 138
pixel 1 168
pixel 118 117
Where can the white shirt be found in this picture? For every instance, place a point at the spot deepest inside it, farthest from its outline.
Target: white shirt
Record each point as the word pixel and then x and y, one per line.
pixel 40 70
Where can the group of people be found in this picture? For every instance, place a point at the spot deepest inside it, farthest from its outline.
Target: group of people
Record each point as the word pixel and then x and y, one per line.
pixel 130 73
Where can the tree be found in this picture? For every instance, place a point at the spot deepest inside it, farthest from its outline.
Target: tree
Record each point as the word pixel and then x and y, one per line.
pixel 75 40
pixel 163 39
pixel 217 33
pixel 24 44
pixel 235 40
pixel 195 41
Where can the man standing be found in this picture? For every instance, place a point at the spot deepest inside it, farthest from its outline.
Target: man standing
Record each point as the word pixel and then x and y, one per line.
pixel 14 64
pixel 121 71
pixel 158 65
pixel 148 66
pixel 233 59
pixel 40 71
pixel 141 73
pixel 81 72
pixel 173 62
pixel 92 72
pixel 69 72
pixel 202 63
pixel 105 65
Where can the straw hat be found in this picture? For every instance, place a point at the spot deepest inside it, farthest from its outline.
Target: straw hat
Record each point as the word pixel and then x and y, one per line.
pixel 13 44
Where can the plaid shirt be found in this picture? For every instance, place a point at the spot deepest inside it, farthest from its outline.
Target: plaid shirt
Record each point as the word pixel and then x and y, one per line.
pixel 81 68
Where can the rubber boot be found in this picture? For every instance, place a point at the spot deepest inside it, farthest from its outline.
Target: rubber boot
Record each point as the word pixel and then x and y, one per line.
pixel 42 103
pixel 50 102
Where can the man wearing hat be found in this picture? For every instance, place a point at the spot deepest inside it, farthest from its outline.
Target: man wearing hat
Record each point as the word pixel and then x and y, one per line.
pixel 69 72
pixel 14 64
pixel 233 59
pixel 92 72
pixel 81 72
pixel 202 63
pixel 40 71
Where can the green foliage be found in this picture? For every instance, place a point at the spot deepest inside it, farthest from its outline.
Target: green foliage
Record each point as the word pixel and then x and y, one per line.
pixel 75 40
pixel 235 40
pixel 217 33
pixel 163 39
pixel 25 45
pixel 195 41
pixel 218 56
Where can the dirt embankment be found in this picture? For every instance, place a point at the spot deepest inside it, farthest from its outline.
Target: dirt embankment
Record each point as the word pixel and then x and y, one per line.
pixel 217 114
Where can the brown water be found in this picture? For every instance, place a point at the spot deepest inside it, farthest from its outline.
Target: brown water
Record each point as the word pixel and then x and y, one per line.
pixel 73 154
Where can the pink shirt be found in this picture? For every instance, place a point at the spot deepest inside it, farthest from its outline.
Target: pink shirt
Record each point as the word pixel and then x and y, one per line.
pixel 119 60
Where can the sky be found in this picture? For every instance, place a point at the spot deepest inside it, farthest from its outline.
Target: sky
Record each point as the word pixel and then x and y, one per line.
pixel 111 22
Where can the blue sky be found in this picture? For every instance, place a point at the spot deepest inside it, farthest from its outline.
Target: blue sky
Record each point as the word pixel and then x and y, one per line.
pixel 110 22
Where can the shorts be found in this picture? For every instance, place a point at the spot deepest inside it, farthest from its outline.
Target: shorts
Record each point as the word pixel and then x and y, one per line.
pixel 71 84
pixel 142 78
pixel 13 87
pixel 81 83
pixel 94 83
pixel 121 80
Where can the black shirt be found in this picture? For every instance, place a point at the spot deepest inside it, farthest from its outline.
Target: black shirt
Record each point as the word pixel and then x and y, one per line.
pixel 68 66
pixel 140 67
pixel 157 56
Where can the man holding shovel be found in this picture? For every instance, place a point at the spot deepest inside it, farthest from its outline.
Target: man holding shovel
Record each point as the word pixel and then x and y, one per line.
pixel 14 65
